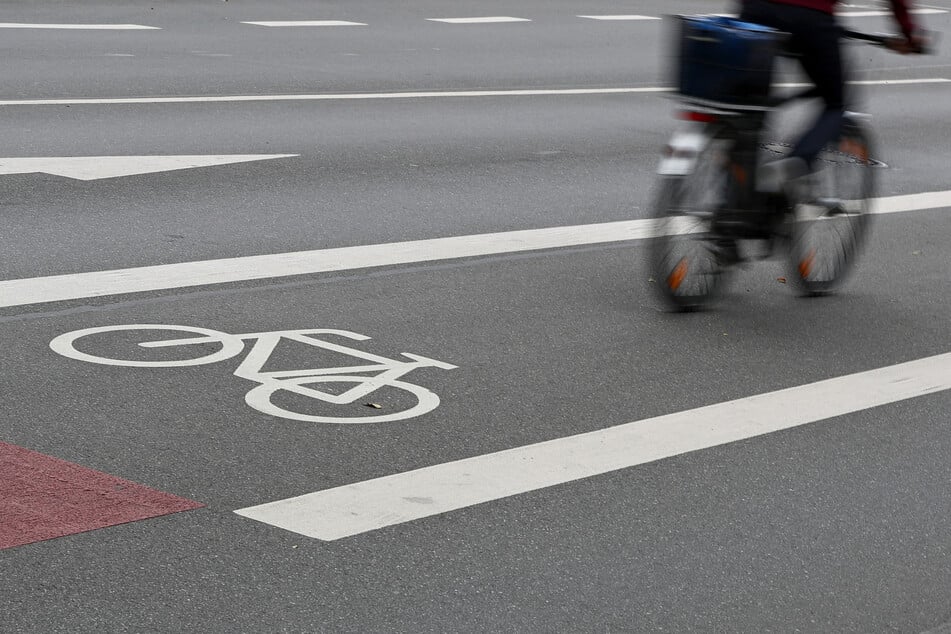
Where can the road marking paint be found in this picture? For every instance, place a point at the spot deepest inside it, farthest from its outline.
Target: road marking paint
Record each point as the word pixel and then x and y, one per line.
pixel 38 290
pixel 910 202
pixel 435 94
pixel 876 14
pixel 485 20
pixel 42 497
pixel 335 97
pixel 89 168
pixel 307 23
pixel 373 504
pixel 80 27
pixel 304 383
pixel 619 17
pixel 853 14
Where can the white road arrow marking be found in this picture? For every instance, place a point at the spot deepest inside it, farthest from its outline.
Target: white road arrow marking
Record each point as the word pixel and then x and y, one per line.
pixel 87 168
pixel 365 506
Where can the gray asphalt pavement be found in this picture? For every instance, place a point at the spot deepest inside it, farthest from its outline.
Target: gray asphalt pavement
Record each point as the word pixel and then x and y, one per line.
pixel 840 525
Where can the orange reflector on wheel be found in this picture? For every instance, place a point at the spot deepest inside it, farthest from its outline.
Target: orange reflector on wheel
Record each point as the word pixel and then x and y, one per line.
pixel 676 277
pixel 805 264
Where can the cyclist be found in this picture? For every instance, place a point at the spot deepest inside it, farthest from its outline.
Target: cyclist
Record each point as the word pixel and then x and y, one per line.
pixel 814 37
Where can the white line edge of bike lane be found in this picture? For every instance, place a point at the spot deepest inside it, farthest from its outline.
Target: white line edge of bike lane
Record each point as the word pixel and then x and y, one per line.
pixel 373 96
pixel 357 508
pixel 39 290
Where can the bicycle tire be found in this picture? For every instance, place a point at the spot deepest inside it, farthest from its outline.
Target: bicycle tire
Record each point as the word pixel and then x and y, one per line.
pixel 259 398
pixel 686 268
pixel 826 239
pixel 65 345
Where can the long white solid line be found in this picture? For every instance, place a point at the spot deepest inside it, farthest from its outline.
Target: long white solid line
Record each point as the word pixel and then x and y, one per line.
pixel 359 96
pixel 79 27
pixel 876 14
pixel 482 20
pixel 619 17
pixel 37 290
pixel 877 82
pixel 365 506
pixel 307 23
pixel 434 94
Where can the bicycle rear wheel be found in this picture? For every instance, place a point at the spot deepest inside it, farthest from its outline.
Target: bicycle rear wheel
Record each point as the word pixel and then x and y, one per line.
pixel 684 259
pixel 831 225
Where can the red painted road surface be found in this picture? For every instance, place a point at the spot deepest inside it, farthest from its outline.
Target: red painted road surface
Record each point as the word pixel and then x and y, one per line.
pixel 42 497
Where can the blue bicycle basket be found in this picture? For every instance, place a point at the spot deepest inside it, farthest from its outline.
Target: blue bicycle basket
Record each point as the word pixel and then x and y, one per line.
pixel 724 61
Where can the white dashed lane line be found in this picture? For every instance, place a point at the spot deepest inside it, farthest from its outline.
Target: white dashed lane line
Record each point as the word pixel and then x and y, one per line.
pixel 483 20
pixel 308 23
pixel 619 17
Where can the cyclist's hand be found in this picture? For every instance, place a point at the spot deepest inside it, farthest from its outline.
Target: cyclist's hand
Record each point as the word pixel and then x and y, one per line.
pixel 916 44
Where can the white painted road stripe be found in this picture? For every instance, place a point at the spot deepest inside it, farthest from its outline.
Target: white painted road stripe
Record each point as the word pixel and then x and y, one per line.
pixel 619 17
pixel 876 14
pixel 89 168
pixel 484 20
pixel 307 23
pixel 37 290
pixel 373 504
pixel 80 27
pixel 435 94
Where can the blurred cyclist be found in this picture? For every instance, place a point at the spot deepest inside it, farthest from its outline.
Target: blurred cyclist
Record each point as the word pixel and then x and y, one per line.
pixel 814 37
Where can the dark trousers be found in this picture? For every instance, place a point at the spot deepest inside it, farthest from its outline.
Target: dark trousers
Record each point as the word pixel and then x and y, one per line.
pixel 815 38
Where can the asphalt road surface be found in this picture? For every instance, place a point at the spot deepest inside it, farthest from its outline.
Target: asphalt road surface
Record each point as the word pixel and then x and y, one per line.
pixel 412 377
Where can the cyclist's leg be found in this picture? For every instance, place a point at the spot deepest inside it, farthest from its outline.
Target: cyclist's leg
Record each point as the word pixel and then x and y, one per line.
pixel 821 59
pixel 814 37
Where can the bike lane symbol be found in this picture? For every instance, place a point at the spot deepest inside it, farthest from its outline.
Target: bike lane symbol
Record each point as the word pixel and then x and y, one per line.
pixel 374 373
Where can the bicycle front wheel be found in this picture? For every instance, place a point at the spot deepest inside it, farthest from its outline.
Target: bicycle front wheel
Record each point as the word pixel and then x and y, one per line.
pixel 831 225
pixel 685 261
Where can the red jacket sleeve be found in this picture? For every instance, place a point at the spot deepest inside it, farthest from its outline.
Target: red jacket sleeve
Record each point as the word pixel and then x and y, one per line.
pixel 900 8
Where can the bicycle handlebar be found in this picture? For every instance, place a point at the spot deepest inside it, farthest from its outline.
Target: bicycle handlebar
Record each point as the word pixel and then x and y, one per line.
pixel 923 44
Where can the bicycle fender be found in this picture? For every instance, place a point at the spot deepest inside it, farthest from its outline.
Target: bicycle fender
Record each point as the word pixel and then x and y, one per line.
pixel 680 155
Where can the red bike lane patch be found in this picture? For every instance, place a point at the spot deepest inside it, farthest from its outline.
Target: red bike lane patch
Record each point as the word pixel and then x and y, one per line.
pixel 42 497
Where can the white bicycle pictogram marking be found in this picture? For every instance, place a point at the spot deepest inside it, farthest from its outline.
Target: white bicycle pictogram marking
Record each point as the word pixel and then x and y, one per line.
pixel 367 378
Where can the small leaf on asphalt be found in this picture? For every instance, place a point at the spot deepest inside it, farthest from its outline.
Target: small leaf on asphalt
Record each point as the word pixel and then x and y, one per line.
pixel 781 280
pixel 374 405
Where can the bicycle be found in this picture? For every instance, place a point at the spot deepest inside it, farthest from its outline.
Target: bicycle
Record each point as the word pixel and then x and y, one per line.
pixel 261 397
pixel 708 208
